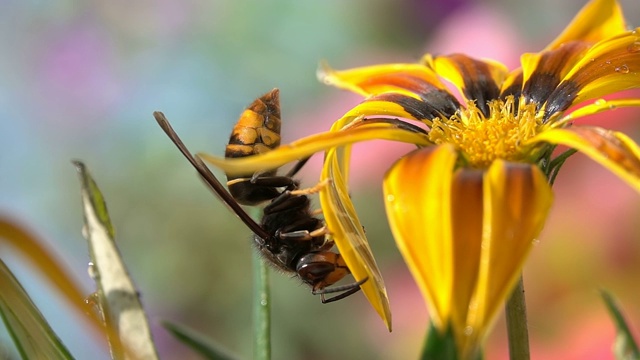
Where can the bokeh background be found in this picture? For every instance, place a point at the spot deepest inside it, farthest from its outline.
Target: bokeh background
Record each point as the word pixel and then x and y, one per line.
pixel 80 80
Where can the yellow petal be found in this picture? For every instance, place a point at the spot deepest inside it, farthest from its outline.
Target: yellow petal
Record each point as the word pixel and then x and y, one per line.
pixel 32 248
pixel 406 79
pixel 610 66
pixel 417 193
pixel 517 199
pixel 475 79
pixel 613 150
pixel 466 225
pixel 375 106
pixel 542 72
pixel 305 147
pixel 348 234
pixel 594 108
pixel 599 19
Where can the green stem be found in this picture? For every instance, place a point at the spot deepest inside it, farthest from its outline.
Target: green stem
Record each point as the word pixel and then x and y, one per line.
pixel 516 313
pixel 261 307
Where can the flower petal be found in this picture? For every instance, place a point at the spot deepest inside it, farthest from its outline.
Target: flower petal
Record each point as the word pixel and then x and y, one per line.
pixel 394 104
pixel 517 199
pixel 599 19
pixel 475 79
pixel 610 66
pixel 390 105
pixel 409 79
pixel 597 107
pixel 542 72
pixel 613 150
pixel 512 84
pixel 308 146
pixel 348 234
pixel 466 226
pixel 417 193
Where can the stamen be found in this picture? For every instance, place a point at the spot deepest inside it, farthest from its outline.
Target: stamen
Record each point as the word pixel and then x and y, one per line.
pixel 483 139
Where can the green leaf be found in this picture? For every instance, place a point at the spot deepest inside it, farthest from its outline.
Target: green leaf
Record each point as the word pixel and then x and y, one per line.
pixel 28 328
pixel 625 347
pixel 442 346
pixel 198 342
pixel 439 346
pixel 125 320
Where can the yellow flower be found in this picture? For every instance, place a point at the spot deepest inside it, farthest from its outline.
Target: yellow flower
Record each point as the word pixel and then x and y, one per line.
pixel 466 206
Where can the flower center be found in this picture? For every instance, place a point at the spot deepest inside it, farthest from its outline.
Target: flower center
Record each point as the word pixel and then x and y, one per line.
pixel 482 139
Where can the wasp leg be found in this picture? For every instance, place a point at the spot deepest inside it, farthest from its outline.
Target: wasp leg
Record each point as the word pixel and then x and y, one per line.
pixel 320 231
pixel 316 212
pixel 266 181
pixel 321 269
pixel 312 190
pixel 294 170
pixel 286 201
pixel 260 179
pixel 346 290
pixel 303 235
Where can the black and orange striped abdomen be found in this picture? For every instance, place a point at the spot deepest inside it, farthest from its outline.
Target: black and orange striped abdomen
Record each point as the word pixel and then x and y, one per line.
pixel 257 131
pixel 258 128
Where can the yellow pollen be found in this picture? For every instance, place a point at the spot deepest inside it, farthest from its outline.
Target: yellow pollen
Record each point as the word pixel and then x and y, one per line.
pixel 483 139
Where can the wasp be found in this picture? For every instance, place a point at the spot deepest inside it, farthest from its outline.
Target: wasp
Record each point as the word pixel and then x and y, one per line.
pixel 258 131
pixel 289 236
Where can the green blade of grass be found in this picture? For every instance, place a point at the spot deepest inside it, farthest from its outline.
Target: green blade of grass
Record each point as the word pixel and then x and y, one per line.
pixel 127 327
pixel 261 310
pixel 625 347
pixel 261 305
pixel 30 332
pixel 198 342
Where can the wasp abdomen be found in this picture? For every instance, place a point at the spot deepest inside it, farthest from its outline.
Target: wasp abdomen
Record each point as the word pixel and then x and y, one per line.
pixel 258 129
pixel 256 132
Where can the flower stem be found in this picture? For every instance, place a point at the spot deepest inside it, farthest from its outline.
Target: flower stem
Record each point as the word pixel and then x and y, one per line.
pixel 261 307
pixel 516 313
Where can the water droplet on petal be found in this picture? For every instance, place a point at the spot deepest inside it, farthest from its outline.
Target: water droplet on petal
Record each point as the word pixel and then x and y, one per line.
pixel 535 242
pixel 468 330
pixel 390 198
pixel 93 272
pixel 600 102
pixel 634 47
pixel 93 302
pixel 623 69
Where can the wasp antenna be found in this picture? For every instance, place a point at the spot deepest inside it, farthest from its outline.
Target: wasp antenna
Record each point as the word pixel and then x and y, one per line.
pixel 208 177
pixel 217 187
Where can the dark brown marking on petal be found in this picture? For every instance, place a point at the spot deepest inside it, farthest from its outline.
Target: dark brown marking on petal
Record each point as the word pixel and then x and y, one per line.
pixel 514 89
pixel 478 83
pixel 620 59
pixel 440 103
pixel 561 98
pixel 611 146
pixel 430 93
pixel 549 72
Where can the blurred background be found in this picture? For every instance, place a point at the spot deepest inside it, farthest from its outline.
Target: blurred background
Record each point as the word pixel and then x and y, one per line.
pixel 80 80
